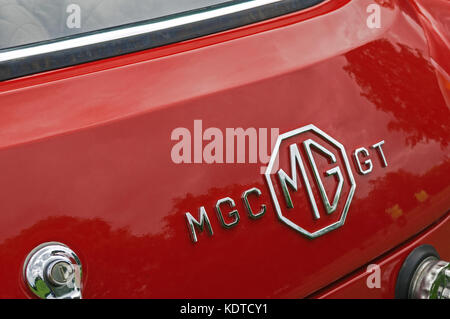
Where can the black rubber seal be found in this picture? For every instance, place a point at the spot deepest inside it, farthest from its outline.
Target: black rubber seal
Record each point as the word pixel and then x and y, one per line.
pixel 63 58
pixel 409 267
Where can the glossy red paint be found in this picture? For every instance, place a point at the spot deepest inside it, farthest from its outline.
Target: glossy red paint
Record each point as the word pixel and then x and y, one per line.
pixel 85 154
pixel 355 286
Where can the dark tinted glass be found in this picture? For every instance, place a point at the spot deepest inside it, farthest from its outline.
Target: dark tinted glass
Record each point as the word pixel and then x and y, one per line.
pixel 28 21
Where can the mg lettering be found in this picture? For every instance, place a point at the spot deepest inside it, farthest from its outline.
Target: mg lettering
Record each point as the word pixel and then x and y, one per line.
pixel 310 182
pixel 317 146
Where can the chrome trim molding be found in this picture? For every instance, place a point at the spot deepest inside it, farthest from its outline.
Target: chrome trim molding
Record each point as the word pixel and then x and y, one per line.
pixel 87 47
pixel 84 40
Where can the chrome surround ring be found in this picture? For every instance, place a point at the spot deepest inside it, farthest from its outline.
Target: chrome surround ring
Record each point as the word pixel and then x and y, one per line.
pixel 38 272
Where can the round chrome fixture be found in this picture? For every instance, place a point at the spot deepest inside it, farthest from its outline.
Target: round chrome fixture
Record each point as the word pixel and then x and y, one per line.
pixel 53 271
pixel 424 276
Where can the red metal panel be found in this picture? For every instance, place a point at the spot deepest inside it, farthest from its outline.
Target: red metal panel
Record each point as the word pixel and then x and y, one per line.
pixel 86 160
pixel 355 286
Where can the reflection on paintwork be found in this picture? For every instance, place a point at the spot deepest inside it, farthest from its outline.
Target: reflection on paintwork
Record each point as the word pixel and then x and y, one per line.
pixel 108 188
pixel 398 80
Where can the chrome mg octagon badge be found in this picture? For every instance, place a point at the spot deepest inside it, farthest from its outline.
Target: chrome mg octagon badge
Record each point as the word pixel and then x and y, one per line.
pixel 310 181
pixel 327 182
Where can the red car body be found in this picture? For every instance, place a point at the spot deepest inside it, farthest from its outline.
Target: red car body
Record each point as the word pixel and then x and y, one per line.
pixel 85 153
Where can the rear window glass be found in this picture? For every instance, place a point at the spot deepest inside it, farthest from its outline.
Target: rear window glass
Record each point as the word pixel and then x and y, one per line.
pixel 44 35
pixel 29 21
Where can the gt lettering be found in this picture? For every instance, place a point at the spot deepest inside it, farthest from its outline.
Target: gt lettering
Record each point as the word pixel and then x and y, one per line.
pixel 364 167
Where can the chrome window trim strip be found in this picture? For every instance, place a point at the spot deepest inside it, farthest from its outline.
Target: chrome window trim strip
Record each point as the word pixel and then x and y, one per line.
pixel 18 53
pixel 106 43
